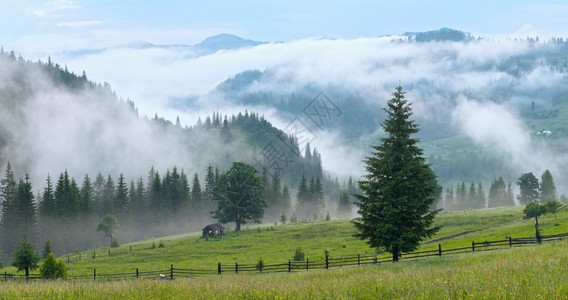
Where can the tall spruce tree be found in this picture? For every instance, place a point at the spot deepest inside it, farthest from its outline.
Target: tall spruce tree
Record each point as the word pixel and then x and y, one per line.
pixel 209 181
pixel 547 188
pixel 26 217
pixel 498 194
pixel 98 188
pixel 108 196
pixel 86 198
pixel 471 196
pixel 47 205
pixel 155 192
pixel 120 204
pixel 184 189
pixel 8 223
pixel 461 196
pixel 318 197
pixel 303 199
pixel 399 188
pixel 286 201
pixel 344 206
pixel 480 197
pixel 449 202
pixel 196 193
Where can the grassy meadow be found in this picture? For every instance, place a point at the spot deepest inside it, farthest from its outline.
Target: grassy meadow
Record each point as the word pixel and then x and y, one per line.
pixel 518 273
pixel 277 244
pixel 512 273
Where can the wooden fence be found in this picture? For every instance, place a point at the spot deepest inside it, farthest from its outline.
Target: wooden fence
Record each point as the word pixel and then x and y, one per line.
pixel 291 266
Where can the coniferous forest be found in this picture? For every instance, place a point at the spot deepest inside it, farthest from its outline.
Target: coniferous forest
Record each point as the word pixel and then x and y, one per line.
pixel 61 211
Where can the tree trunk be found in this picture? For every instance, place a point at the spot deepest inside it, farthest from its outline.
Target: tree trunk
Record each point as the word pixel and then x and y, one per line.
pixel 237 220
pixel 395 253
pixel 27 273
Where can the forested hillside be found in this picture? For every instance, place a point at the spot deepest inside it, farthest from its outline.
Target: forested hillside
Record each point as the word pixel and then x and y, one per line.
pixel 481 104
pixel 73 152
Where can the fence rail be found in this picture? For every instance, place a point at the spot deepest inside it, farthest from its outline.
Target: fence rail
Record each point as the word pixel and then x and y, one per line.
pixel 305 265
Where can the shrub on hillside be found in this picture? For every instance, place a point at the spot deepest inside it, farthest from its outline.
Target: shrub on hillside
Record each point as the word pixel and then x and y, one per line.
pixel 52 268
pixel 299 254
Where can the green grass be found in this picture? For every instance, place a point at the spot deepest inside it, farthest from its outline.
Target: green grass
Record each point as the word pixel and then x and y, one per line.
pixel 550 123
pixel 276 244
pixel 518 273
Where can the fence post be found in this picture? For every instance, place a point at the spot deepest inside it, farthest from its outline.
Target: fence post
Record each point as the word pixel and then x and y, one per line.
pixel 472 246
pixel 136 272
pixel 172 272
pixel 358 259
pixel 108 252
pixel 307 264
pixel 289 266
pixel 439 249
pixel 94 273
pixel 79 257
pixel 510 242
pixel 326 262
pixel 94 254
pixel 130 248
pixel 219 268
pixel 236 267
pixel 68 258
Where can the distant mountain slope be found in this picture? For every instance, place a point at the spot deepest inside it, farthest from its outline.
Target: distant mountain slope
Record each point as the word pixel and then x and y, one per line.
pixel 440 35
pixel 507 81
pixel 209 45
pixel 52 120
pixel 224 41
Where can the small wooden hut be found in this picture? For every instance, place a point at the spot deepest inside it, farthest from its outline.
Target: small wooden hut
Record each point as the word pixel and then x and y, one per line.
pixel 212 230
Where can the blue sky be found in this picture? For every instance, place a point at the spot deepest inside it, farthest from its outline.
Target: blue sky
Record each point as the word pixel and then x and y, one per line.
pixel 67 24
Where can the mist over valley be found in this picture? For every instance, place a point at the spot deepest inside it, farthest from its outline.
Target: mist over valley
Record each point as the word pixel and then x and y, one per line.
pixel 486 108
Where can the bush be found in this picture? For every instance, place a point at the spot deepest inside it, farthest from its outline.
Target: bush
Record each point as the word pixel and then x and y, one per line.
pixel 161 245
pixel 299 254
pixel 52 268
pixel 293 219
pixel 114 243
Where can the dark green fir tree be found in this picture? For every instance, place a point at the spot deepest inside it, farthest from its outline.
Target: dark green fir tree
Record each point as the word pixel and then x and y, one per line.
pixel 399 189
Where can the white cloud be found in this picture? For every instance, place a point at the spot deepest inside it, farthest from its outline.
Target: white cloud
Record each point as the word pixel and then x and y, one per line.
pixel 48 9
pixel 432 73
pixel 78 24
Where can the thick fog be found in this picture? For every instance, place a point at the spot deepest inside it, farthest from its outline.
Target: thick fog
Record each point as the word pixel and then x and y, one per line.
pixel 48 129
pixel 464 85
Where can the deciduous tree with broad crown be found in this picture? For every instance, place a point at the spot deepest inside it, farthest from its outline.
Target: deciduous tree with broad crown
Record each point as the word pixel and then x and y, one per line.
pixel 529 187
pixel 239 195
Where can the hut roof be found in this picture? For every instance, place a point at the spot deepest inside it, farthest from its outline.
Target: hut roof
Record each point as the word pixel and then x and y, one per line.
pixel 215 226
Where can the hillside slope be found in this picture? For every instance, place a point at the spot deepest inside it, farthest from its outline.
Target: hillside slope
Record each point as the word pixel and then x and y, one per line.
pixel 277 244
